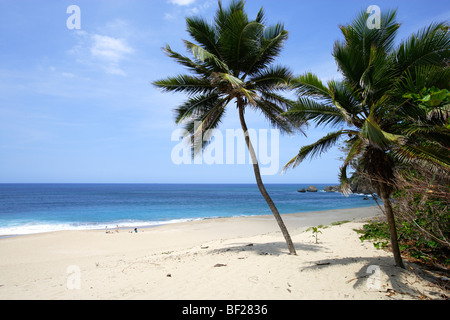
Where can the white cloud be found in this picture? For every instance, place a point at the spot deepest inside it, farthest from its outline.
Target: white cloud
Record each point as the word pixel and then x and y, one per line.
pixel 108 48
pixel 170 16
pixel 101 50
pixel 188 10
pixel 182 2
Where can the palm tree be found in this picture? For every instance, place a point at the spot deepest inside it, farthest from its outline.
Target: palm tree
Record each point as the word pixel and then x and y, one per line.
pixel 380 124
pixel 232 62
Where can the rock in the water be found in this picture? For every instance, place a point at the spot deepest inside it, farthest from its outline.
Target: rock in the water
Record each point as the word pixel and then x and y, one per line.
pixel 301 190
pixel 332 189
pixel 311 189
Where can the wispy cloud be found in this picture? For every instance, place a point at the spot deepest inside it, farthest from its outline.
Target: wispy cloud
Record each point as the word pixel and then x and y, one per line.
pixel 110 50
pixel 189 8
pixel 182 2
pixel 101 50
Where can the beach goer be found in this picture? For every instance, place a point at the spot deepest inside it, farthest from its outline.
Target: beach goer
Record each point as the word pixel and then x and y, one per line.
pixel 135 230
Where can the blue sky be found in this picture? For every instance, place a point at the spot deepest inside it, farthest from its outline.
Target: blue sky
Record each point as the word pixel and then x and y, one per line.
pixel 78 106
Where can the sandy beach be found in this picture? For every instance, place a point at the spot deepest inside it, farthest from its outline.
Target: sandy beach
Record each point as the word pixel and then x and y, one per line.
pixel 241 258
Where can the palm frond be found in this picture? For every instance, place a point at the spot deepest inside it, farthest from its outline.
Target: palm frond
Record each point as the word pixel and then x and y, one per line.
pixel 234 38
pixel 204 34
pixel 315 148
pixel 200 126
pixel 195 107
pixel 281 101
pixel 356 56
pixel 248 44
pixel 428 76
pixel 185 61
pixel 272 111
pixel 310 85
pixel 422 155
pixel 429 46
pixel 271 78
pixel 305 109
pixel 226 80
pixel 185 84
pixel 372 132
pixel 268 48
pixel 345 99
pixel 223 14
pixel 205 56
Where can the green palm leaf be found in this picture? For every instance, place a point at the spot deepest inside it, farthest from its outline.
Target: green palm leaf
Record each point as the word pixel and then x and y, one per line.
pixel 195 107
pixel 317 148
pixel 429 46
pixel 305 109
pixel 425 156
pixel 206 56
pixel 271 78
pixel 310 85
pixel 185 61
pixel 185 84
pixel 204 34
pixel 269 45
pixel 372 132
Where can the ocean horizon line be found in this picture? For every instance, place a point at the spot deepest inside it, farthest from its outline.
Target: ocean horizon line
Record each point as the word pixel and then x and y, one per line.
pixel 172 183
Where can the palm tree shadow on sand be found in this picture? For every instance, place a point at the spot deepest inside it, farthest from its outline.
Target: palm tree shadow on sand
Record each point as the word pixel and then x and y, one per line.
pixel 377 274
pixel 269 248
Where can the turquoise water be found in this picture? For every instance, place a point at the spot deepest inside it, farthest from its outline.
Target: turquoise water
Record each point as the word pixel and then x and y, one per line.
pixel 34 208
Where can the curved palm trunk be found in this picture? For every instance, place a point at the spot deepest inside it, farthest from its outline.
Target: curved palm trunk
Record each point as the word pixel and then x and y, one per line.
pixel 392 227
pixel 260 184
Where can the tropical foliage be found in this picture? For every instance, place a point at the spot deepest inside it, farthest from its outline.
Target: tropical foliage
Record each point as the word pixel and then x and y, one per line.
pixel 380 106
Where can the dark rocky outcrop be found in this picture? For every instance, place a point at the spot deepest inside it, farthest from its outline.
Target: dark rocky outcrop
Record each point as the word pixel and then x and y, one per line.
pixel 362 186
pixel 357 186
pixel 332 189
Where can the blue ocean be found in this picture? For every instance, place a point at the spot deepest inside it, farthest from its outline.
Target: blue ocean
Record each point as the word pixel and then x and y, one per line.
pixel 35 208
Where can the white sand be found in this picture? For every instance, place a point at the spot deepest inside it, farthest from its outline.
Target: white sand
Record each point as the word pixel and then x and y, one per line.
pixel 232 258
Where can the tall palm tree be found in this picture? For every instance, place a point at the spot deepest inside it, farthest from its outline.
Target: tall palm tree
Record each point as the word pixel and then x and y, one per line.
pixel 232 62
pixel 367 105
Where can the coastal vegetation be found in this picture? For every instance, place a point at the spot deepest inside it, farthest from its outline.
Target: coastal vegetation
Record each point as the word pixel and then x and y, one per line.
pixel 421 205
pixel 389 107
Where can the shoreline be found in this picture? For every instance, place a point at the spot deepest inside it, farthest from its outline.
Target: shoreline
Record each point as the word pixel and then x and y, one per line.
pixel 243 258
pixel 111 226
